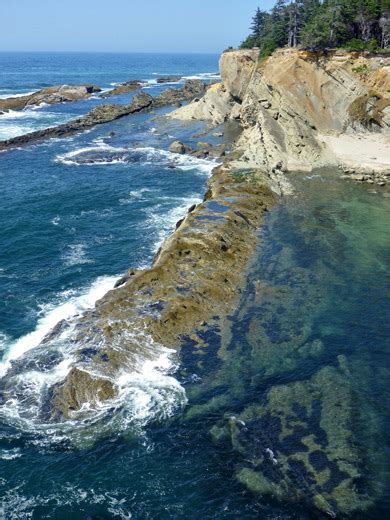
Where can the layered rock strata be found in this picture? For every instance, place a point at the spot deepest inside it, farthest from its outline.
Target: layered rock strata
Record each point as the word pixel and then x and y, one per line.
pixel 289 102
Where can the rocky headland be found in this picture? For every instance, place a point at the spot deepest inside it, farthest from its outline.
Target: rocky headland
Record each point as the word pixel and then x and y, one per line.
pixel 295 108
pixel 302 110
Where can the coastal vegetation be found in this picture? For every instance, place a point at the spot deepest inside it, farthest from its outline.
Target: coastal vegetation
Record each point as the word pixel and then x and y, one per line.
pixel 351 24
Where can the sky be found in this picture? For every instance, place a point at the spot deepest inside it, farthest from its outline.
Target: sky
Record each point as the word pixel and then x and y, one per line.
pixel 125 25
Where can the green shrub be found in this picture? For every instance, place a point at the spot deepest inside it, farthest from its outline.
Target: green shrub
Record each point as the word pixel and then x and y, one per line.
pixel 361 69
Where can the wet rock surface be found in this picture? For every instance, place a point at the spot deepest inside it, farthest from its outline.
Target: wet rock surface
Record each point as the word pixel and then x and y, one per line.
pixel 168 79
pixel 196 275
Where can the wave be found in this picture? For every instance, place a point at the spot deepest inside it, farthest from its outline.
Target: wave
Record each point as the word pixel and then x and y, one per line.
pixel 161 223
pixel 16 95
pixel 205 76
pixel 10 454
pixel 104 154
pixel 15 505
pixel 136 195
pixel 37 361
pixel 67 305
pixel 75 255
pixel 18 122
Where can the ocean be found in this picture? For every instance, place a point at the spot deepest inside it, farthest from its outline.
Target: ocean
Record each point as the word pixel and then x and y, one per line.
pixel 76 214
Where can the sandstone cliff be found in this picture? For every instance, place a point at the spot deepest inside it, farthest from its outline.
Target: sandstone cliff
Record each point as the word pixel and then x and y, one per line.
pixel 291 103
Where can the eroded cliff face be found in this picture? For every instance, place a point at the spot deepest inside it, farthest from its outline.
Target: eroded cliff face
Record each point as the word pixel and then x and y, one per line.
pixel 289 103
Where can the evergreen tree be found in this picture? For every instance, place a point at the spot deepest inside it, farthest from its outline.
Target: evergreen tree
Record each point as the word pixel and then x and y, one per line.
pixel 258 23
pixel 354 24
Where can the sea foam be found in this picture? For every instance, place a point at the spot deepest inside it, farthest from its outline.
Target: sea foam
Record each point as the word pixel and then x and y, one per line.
pixel 103 154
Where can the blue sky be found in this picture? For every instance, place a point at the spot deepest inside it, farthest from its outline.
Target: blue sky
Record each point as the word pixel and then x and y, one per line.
pixel 125 25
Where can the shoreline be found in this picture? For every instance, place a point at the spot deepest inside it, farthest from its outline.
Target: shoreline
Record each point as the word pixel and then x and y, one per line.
pixel 199 272
pixel 193 282
pixel 362 157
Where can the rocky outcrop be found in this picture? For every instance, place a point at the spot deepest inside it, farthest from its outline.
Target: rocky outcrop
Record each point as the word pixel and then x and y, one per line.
pixel 288 102
pixel 123 88
pixel 203 150
pixel 168 79
pixel 97 116
pixel 192 88
pixel 236 70
pixel 179 147
pixel 195 280
pixel 110 112
pixel 49 96
pixel 298 110
pixel 222 100
pixel 216 106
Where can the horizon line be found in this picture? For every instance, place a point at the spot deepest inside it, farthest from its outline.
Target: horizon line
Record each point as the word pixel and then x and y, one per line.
pixel 108 52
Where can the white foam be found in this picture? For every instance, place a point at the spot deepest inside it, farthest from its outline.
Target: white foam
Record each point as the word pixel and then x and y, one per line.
pixel 76 255
pixel 161 223
pixel 17 95
pixel 147 155
pixel 19 122
pixel 136 195
pixel 181 162
pixel 15 505
pixel 146 390
pixel 10 454
pixel 66 306
pixel 205 76
pixel 69 158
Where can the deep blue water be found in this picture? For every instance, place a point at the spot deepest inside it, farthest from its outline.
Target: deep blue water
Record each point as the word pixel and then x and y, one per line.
pixel 28 72
pixel 69 227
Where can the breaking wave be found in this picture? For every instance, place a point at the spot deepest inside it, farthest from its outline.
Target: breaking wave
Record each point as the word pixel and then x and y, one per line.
pixel 104 154
pixel 34 363
pixel 18 122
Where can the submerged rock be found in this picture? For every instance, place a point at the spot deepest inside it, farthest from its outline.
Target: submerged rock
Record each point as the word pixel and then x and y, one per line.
pixel 300 444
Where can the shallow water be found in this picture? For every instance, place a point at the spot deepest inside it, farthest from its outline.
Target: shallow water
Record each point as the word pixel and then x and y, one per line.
pixel 77 213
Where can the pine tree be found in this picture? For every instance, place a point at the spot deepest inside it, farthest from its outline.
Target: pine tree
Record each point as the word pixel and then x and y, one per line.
pixel 354 24
pixel 258 23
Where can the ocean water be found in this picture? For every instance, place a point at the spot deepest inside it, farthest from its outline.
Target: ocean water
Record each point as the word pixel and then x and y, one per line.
pixel 76 213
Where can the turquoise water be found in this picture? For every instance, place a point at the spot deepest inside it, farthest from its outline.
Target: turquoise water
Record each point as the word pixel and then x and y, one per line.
pixel 77 213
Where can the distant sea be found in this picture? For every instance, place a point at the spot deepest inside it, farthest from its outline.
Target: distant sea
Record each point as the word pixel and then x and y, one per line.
pixel 23 73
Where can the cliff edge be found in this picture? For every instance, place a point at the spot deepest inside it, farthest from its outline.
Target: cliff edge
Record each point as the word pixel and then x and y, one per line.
pixel 302 110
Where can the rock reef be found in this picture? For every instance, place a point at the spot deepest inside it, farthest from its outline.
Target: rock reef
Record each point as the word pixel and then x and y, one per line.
pixel 110 112
pixel 49 96
pixel 196 275
pixel 281 432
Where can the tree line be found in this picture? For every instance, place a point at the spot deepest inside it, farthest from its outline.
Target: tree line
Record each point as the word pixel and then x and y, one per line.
pixel 352 24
